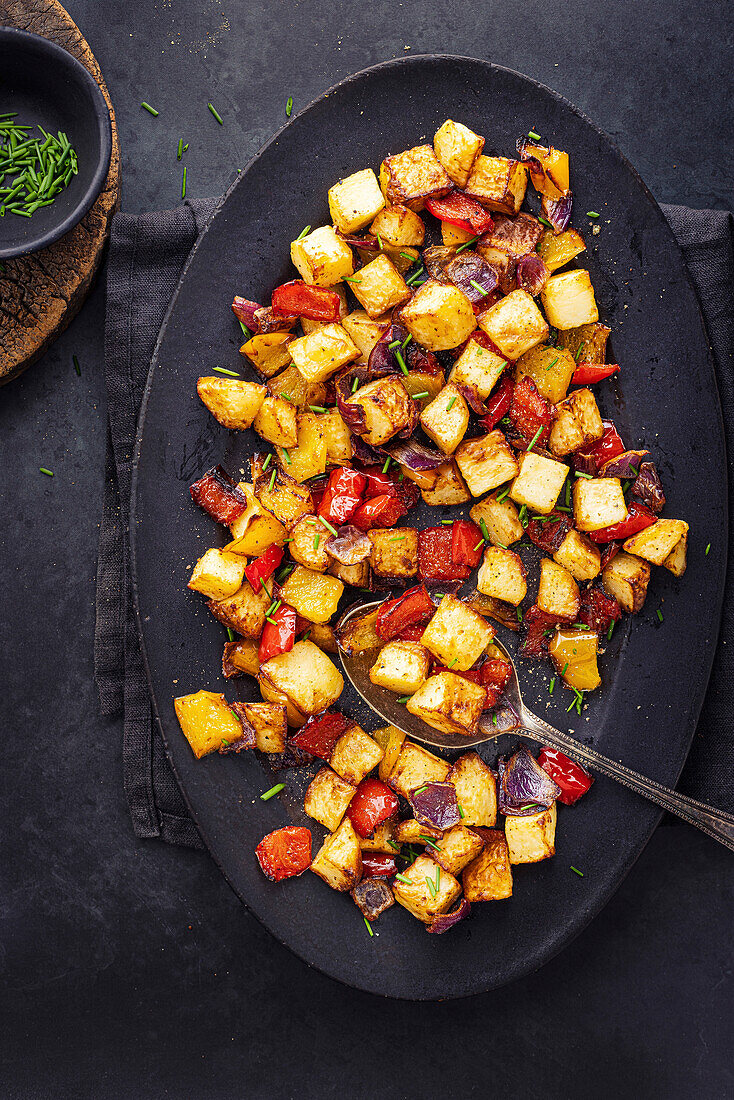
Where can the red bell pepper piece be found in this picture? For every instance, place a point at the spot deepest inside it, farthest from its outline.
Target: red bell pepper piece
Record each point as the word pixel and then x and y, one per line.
pixel 570 776
pixel 373 803
pixel 590 459
pixel 411 634
pixel 413 607
pixel 610 551
pixel 638 518
pixel 598 609
pixel 549 531
pixel 377 483
pixel 285 853
pixel 472 674
pixel 495 676
pixel 434 556
pixel 382 511
pixel 459 209
pixel 498 403
pixel 588 373
pixel 378 865
pixel 531 411
pixel 262 568
pixel 466 543
pixel 314 302
pixel 539 630
pixel 320 733
pixel 279 633
pixel 343 495
pixel 244 310
pixel 218 495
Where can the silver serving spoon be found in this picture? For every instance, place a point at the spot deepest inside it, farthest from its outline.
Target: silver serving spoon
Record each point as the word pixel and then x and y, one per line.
pixel 514 715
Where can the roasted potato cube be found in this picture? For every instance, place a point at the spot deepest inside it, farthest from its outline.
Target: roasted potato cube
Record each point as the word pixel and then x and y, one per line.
pixel 598 502
pixel 423 901
pixel 323 352
pixel 449 703
pixel 355 201
pixel 268 720
pixel 456 848
pixel 359 635
pixel 413 832
pixel 401 667
pixel 587 342
pixel 579 556
pixel 382 839
pixel 414 767
pixel 276 422
pixel 322 257
pixel 657 542
pixel 337 437
pixel 363 331
pixel 387 408
pixel 256 529
pixel 270 694
pixel 306 676
pixel 268 352
pixel 339 860
pixel 556 250
pixel 449 487
pixel 457 147
pixel 241 656
pixel 218 574
pixel 476 789
pixel 456 635
pixel 502 576
pixel 539 482
pixel 394 551
pixel 232 402
pixel 498 183
pixel 390 739
pixel 550 368
pixel 454 235
pixel 486 462
pixel 568 299
pixel 676 559
pixel 446 419
pixel 478 367
pixel 313 595
pixel 291 385
pixel 399 227
pixel 426 386
pixel 530 839
pixel 355 755
pixel 308 457
pixel 307 545
pixel 514 324
pixel 409 178
pixel 626 578
pixel 379 286
pixel 574 654
pixel 327 798
pixel 578 423
pixel 500 518
pixel 439 316
pixel 243 611
pixel 558 593
pixel 489 876
pixel 206 719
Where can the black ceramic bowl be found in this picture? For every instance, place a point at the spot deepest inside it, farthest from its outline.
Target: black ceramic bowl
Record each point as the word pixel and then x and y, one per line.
pixel 45 84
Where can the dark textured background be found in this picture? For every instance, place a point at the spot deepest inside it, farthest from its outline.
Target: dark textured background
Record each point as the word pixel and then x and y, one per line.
pixel 129 968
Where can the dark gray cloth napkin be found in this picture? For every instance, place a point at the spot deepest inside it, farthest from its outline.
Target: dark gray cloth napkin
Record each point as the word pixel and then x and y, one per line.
pixel 147 254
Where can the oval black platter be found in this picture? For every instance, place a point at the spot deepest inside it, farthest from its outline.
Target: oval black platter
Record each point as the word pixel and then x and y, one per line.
pixel 655 674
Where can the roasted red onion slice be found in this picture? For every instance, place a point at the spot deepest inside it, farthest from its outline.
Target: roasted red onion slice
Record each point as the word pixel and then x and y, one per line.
pixel 557 211
pixel 267 320
pixel 472 275
pixel 366 454
pixel 368 243
pixel 383 359
pixel 436 804
pixel 473 400
pixel 435 259
pixel 244 310
pixel 649 488
pixel 352 415
pixel 350 546
pixel 626 465
pixel 524 788
pixel 415 455
pixel 444 921
pixel 531 274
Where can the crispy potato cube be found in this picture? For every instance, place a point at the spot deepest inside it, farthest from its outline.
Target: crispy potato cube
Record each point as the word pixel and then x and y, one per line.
pixel 217 574
pixel 323 352
pixel 379 286
pixel 579 556
pixel 363 331
pixel 268 352
pixel 409 178
pixel 439 316
pixel 657 542
pixel 413 832
pixel 256 529
pixel 339 860
pixel 476 789
pixel 558 593
pixel 478 367
pixel 394 551
pixel 578 423
pixel 574 654
pixel 322 257
pixel 489 876
pixel 387 408
pixel 418 898
pixel 514 324
pixel 457 147
pixel 449 703
pixel 306 676
pixel 401 667
pixel 598 502
pixel 355 201
pixel 243 611
pixel 355 755
pixel 390 739
pixel 626 578
pixel 313 595
pixel 449 487
pixel 456 848
pixel 454 235
pixel 241 656
pixel 232 402
pixel 486 462
pixel 446 419
pixel 539 482
pixel 308 545
pixel 676 559
pixel 308 457
pixel 500 518
pixel 276 422
pixel 206 719
pixel 568 299
pixel 556 250
pixel 399 227
pixel 382 839
pixel 291 385
pixel 550 368
pixel 530 839
pixel 268 720
pixel 502 576
pixel 498 183
pixel 456 635
pixel 414 767
pixel 327 798
pixel 337 436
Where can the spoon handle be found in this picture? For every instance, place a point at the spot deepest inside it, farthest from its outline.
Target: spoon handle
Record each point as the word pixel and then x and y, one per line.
pixel 716 823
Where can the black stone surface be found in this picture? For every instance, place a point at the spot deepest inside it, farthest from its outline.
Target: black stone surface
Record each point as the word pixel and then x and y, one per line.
pixel 129 968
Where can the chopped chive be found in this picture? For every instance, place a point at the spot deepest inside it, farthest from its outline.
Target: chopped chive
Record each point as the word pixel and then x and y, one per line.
pixel 610 631
pixel 480 543
pixel 577 872
pixel 403 698
pixel 519 614
pixel 467 244
pixel 351 279
pixel 563 673
pixel 77 368
pixel 535 438
pixel 306 635
pixel 216 114
pixel 394 344
pixel 477 286
pixel 659 615
pixel 267 461
pixel 317 408
pixel 545 222
pixel 551 685
pixel 406 341
pixel 149 109
pixel 369 926
pixel 272 792
pixel 551 365
pixel 532 134
pixel 568 494
pixel 580 473
pixel 453 662
pixel 706 551
pixel 438 878
pixel 316 540
pixel 419 789
pixel 401 361
pixel 451 403
pixel 402 878
pixel 223 370
pixel 328 526
pixel 286 397
pixel 271 609
pixel 571 706
pixel 288 106
pixel 379 241
pixel 503 495
pixel 183 184
pixel 303 233
pixel 591 214
pixel 577 356
pixel 407 256
pixel 423 393
pixel 230 634
pixel 43 470
pixel 399 538
pixel 461 810
pixel 494 719
pixel 483 529
pixel 447 522
pixel 272 481
pixel 245 329
pixel 179 153
pixel 429 843
pixel 394 845
pixel 355 383
pixel 386 467
pixel 286 456
pixel 522 515
pixel 431 886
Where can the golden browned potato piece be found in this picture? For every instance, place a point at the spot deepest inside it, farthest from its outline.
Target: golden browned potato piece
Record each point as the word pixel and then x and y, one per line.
pixel 414 767
pixel 568 299
pixel 498 183
pixel 539 482
pixel 423 901
pixel 579 556
pixel 276 421
pixel 489 876
pixel 501 519
pixel 244 611
pixel 399 227
pixel 218 574
pixel 449 703
pixel 502 575
pixel 327 798
pixel 456 635
pixel 306 676
pixel 657 542
pixel 268 720
pixel 322 257
pixel 394 552
pixel 411 177
pixel 401 667
pixel 355 201
pixel 446 419
pixel 479 367
pixel 231 401
pixel 355 755
pixel 439 316
pixel 558 593
pixel 486 462
pixel 339 860
pixel 387 408
pixel 379 286
pixel 476 789
pixel 206 719
pixel 323 352
pixel 514 324
pixel 626 578
pixel 456 848
pixel 457 147
pixel 578 423
pixel 598 503
pixel 530 839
